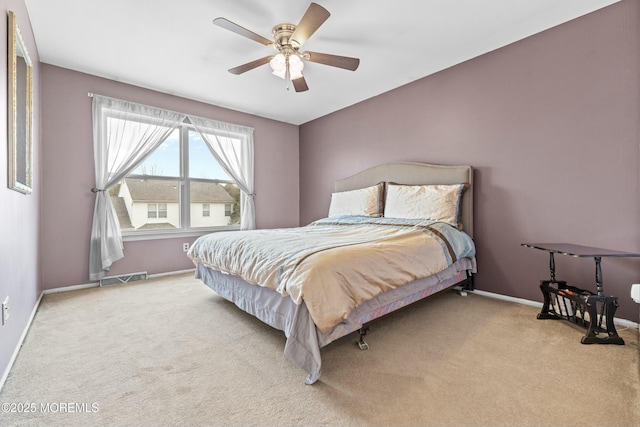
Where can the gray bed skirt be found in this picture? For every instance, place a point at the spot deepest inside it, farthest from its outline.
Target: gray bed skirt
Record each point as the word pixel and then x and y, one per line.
pixel 303 339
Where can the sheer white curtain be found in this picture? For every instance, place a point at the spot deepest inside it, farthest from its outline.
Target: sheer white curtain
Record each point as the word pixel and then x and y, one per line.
pixel 124 134
pixel 232 146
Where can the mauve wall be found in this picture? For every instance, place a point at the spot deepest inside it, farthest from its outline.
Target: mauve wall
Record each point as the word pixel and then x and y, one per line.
pixel 67 164
pixel 19 213
pixel 551 124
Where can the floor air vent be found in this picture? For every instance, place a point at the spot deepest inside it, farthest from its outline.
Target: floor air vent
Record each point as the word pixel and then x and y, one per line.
pixel 123 278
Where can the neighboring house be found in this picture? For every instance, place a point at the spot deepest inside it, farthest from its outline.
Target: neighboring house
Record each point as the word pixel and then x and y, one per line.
pixel 211 204
pixel 144 204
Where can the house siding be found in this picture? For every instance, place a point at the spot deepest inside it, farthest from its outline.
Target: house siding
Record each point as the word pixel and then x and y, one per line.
pixel 217 216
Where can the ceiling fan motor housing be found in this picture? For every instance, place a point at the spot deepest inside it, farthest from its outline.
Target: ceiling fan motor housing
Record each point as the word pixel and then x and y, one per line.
pixel 282 36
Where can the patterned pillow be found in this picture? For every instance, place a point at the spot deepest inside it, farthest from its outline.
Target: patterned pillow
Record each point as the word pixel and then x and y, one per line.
pixel 438 202
pixel 365 202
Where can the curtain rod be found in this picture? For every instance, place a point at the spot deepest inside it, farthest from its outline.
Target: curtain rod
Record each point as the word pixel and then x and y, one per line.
pixel 91 95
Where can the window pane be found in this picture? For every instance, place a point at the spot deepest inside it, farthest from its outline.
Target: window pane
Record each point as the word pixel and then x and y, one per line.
pixel 221 198
pixel 147 204
pixel 165 160
pixel 149 198
pixel 202 164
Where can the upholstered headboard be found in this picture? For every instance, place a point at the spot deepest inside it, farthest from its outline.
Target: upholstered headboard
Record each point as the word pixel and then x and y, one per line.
pixel 417 174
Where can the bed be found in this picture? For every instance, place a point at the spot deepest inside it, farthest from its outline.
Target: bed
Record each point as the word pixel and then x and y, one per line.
pixel 395 234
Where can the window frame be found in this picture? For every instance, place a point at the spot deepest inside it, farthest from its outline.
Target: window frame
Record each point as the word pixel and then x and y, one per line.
pixel 185 230
pixel 152 210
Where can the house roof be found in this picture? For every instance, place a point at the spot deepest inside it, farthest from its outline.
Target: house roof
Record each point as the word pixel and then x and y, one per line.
pixel 209 192
pixel 167 191
pixel 121 211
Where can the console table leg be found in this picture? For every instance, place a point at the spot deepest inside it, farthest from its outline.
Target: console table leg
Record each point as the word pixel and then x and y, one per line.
pixel 599 284
pixel 592 308
pixel 609 306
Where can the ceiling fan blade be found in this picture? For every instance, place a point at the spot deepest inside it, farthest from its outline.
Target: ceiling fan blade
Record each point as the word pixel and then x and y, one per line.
pixel 300 84
pixel 231 26
pixel 313 18
pixel 345 62
pixel 250 65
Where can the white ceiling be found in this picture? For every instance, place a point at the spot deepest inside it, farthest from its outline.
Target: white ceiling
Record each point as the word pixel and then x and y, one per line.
pixel 172 46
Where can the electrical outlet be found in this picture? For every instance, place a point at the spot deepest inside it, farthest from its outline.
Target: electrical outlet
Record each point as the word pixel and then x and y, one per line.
pixel 185 247
pixel 5 311
pixel 635 292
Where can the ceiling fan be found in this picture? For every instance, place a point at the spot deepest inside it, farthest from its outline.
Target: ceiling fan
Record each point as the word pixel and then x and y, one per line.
pixel 288 63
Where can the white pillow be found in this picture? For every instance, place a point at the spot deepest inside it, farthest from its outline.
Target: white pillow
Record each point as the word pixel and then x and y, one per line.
pixel 364 202
pixel 438 202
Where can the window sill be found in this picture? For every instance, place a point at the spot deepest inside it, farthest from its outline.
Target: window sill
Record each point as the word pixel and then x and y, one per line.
pixel 172 234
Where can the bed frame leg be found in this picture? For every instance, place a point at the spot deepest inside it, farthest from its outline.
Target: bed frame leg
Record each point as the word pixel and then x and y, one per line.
pixel 465 286
pixel 361 342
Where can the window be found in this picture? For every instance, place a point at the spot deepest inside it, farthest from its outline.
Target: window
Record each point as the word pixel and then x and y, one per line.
pixel 128 136
pixel 180 186
pixel 156 210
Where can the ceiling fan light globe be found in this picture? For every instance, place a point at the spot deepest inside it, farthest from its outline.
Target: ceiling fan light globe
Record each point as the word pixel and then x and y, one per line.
pixel 281 74
pixel 295 62
pixel 279 65
pixel 295 66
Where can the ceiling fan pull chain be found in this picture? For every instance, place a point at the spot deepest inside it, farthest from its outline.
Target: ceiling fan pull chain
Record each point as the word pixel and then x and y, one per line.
pixel 287 75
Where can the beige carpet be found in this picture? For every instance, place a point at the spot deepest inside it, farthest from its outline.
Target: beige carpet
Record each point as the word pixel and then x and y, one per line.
pixel 169 351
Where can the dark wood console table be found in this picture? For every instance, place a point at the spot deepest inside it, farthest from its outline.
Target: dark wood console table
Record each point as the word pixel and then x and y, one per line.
pixel 562 301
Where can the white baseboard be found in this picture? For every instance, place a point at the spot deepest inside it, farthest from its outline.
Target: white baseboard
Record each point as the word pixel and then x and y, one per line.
pixel 70 288
pixel 5 374
pixel 617 321
pixel 97 284
pixel 172 273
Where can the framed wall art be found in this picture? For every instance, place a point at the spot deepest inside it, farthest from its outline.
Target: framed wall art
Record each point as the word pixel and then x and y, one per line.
pixel 20 82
